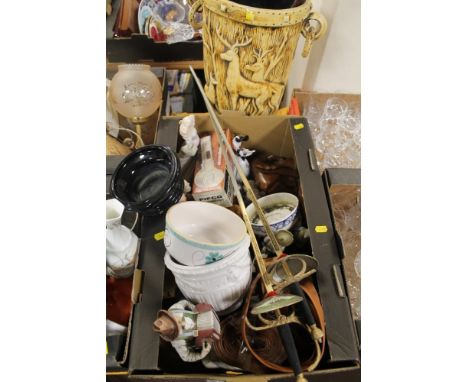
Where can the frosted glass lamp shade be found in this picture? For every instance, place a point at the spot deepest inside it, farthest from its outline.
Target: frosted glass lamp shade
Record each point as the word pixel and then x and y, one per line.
pixel 135 91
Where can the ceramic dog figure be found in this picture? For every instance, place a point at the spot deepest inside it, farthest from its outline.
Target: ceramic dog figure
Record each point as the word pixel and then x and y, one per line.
pixel 242 154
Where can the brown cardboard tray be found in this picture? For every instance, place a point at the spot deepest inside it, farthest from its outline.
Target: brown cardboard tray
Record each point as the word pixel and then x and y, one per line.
pixel 289 137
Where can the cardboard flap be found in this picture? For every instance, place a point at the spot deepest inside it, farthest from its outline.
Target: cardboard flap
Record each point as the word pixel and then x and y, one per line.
pixel 231 113
pixel 339 177
pixel 266 133
pixel 148 295
pixel 341 332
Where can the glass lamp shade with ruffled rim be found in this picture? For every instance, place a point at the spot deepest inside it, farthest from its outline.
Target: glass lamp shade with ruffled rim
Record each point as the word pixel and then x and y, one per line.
pixel 135 92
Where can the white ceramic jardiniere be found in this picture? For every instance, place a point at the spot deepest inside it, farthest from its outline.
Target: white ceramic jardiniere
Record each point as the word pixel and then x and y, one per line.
pixel 221 283
pixel 199 233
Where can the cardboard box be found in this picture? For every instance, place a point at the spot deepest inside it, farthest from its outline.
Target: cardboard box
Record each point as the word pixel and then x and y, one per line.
pixel 341 331
pixel 288 137
pixel 304 97
pixel 318 100
pixel 334 178
pixel 342 374
pixel 223 192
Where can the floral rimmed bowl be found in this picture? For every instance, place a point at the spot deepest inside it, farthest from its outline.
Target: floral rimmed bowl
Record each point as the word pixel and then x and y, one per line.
pixel 200 233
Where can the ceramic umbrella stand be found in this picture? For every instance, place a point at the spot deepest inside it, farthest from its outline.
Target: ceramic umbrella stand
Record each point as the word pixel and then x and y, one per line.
pixel 248 51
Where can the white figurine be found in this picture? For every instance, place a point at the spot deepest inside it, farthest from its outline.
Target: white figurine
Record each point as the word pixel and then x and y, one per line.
pixel 242 154
pixel 189 133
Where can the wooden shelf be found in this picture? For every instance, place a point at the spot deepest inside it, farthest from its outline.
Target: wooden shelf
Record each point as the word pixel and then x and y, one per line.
pixel 138 48
pixel 167 64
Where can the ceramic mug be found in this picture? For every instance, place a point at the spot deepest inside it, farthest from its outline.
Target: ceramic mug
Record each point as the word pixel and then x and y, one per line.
pixel 121 242
pixel 200 233
pixel 114 211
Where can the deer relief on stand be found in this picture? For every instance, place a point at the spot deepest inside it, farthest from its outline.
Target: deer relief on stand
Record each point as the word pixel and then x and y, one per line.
pixel 261 93
pixel 258 67
pixel 260 72
pixel 210 89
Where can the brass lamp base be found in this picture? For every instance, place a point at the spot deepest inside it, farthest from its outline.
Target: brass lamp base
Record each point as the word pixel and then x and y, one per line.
pixel 138 122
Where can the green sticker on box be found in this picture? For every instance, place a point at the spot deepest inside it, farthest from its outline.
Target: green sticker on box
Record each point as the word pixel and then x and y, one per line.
pixel 159 236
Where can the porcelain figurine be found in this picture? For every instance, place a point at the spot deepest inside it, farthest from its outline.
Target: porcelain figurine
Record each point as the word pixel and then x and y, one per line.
pixel 189 133
pixel 242 154
pixel 191 329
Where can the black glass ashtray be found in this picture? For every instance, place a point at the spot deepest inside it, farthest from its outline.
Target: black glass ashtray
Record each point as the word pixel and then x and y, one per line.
pixel 148 180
